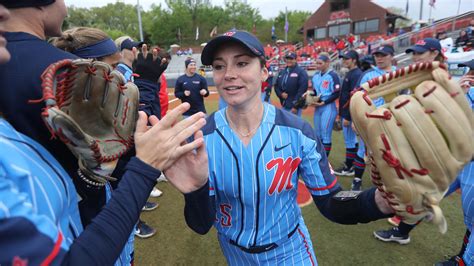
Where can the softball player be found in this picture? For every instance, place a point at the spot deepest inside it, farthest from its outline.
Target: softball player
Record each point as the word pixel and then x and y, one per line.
pixel 383 60
pixel 326 85
pixel 426 50
pixel 351 61
pixel 192 88
pixel 255 155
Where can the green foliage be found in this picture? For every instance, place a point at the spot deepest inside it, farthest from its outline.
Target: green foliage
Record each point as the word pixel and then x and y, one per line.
pixel 176 22
pixel 401 23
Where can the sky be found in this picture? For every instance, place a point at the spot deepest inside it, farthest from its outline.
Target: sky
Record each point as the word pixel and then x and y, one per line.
pixel 271 8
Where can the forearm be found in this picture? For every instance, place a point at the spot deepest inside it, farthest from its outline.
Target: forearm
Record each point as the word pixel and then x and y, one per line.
pixel 103 240
pixel 332 97
pixel 363 209
pixel 199 210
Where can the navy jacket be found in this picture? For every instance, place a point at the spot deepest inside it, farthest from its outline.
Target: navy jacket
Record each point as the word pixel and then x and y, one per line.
pixel 348 85
pixel 293 81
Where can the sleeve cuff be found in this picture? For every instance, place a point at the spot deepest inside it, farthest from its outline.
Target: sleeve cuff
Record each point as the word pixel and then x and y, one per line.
pixel 138 166
pixel 202 191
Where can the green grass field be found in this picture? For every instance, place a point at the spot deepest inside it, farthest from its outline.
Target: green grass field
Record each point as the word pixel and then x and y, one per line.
pixel 334 244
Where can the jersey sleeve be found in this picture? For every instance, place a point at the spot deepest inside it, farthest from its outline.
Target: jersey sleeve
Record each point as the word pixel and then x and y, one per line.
pixel 31 236
pixel 315 169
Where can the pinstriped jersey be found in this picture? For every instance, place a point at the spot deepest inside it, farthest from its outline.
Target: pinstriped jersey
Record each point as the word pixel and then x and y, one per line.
pixel 255 186
pixel 373 73
pixel 37 195
pixel 325 84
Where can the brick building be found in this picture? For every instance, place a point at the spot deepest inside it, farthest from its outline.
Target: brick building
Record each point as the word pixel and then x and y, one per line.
pixel 336 18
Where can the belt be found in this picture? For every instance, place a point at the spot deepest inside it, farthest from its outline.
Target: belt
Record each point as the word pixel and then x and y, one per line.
pixel 263 248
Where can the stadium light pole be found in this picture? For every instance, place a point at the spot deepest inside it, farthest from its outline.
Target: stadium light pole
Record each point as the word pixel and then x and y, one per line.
pixel 139 20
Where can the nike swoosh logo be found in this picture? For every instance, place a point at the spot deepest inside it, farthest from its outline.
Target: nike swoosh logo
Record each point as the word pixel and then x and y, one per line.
pixel 281 148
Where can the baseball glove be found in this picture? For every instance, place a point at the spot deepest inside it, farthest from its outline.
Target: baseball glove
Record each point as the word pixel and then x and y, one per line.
pixel 417 144
pixel 312 98
pixel 93 111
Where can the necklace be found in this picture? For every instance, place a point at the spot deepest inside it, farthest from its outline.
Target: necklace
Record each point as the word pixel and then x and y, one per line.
pixel 240 133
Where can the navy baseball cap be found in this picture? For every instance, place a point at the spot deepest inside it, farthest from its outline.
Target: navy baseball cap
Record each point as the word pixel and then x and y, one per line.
pixel 242 37
pixel 291 55
pixel 384 49
pixel 427 44
pixel 469 64
pixel 350 55
pixel 25 3
pixel 129 44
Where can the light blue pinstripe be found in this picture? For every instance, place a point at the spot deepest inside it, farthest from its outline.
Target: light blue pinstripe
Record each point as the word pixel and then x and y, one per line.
pixel 27 182
pixel 350 137
pixel 324 116
pixel 278 213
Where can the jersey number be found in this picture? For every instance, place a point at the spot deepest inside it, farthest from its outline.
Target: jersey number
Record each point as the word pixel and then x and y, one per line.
pixel 283 173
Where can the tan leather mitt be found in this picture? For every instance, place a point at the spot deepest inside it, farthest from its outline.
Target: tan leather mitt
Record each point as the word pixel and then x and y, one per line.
pixel 417 143
pixel 93 111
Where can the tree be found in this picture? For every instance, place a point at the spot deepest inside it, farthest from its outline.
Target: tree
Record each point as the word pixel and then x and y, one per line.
pixel 400 23
pixel 296 19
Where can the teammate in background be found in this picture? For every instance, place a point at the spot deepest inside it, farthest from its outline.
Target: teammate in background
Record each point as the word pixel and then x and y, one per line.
pixel 192 88
pixel 39 200
pixel 424 51
pixel 326 86
pixel 291 84
pixel 129 51
pixel 256 153
pixel 350 60
pixel 383 63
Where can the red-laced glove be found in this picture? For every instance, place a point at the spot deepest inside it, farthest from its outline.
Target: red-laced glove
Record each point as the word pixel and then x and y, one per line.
pixel 93 111
pixel 417 143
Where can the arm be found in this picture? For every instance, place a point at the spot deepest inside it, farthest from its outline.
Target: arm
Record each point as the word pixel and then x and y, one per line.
pixel 204 86
pixel 302 84
pixel 278 90
pixel 148 94
pixel 36 235
pixel 336 90
pixel 178 89
pixel 323 186
pixel 363 208
pixel 199 210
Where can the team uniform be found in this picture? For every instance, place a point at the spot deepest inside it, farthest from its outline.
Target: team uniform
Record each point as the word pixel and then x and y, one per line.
pixel 250 196
pixel 194 84
pixel 294 82
pixel 256 191
pixel 21 83
pixel 39 215
pixel 327 86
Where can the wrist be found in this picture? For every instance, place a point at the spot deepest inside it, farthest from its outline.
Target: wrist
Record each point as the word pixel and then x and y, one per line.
pixel 196 186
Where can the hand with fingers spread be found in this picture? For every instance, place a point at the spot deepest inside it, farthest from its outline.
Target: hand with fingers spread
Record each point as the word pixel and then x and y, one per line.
pixel 190 172
pixel 149 66
pixel 164 143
